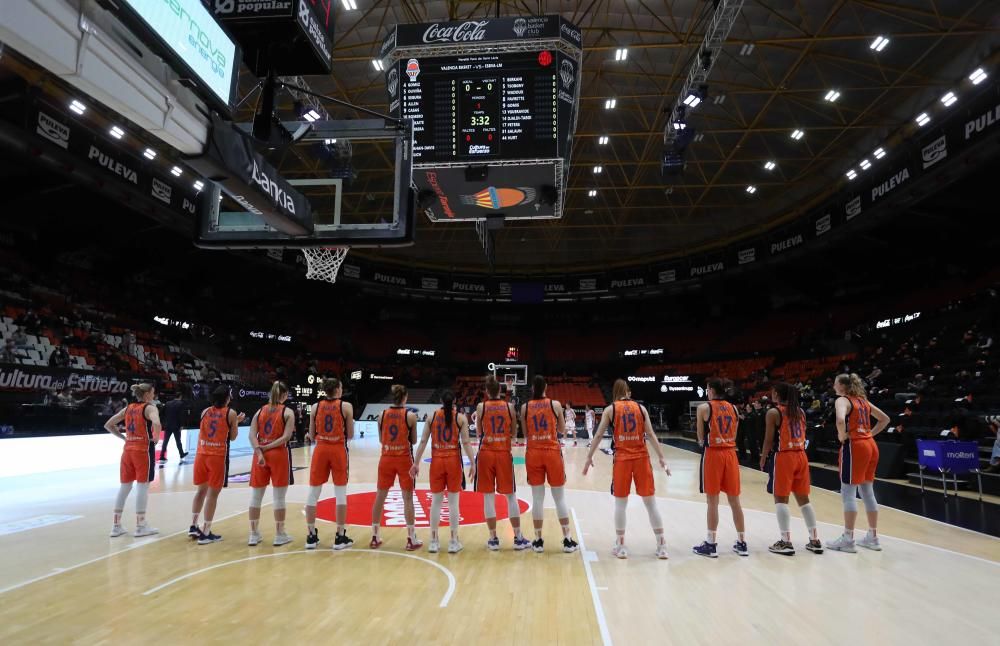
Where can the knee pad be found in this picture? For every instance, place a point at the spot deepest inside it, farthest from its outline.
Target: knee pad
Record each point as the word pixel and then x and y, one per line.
pixel 489 506
pixel 279 498
pixel 849 494
pixel 513 511
pixel 313 496
pixel 537 502
pixel 340 492
pixel 256 496
pixel 141 497
pixel 868 496
pixel 559 496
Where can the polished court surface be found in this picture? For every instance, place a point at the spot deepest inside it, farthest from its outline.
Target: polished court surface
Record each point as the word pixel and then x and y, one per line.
pixel 62 580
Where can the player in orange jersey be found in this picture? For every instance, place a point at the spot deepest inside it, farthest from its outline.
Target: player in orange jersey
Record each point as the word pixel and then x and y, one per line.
pixel 219 426
pixel 331 425
pixel 720 468
pixel 270 429
pixel 493 471
pixel 630 431
pixel 448 429
pixel 544 461
pixel 788 466
pixel 142 425
pixel 398 433
pixel 858 459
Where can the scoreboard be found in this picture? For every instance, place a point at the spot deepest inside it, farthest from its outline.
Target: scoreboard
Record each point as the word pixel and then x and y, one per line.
pixel 470 108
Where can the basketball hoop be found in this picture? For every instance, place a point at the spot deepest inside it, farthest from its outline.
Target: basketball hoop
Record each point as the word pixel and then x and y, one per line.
pixel 323 263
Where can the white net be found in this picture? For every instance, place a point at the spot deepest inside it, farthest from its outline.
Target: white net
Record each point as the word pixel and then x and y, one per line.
pixel 323 263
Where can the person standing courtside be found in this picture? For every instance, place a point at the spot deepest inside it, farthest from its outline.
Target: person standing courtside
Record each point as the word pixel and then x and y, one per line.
pixel 788 467
pixel 175 413
pixel 494 466
pixel 270 429
pixel 218 427
pixel 142 425
pixel 720 469
pixel 398 433
pixel 331 426
pixel 543 461
pixel 631 429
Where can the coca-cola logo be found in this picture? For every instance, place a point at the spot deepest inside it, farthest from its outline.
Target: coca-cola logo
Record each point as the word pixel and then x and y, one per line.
pixel 469 31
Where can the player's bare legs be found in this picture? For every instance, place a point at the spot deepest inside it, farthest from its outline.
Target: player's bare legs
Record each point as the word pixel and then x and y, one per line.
pixel 412 542
pixel 380 496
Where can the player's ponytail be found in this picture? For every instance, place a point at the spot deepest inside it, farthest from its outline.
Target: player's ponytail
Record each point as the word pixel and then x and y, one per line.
pixel 330 386
pixel 278 389
pixel 398 394
pixel 852 385
pixel 620 390
pixel 492 386
pixel 538 387
pixel 789 396
pixel 139 391
pixel 448 404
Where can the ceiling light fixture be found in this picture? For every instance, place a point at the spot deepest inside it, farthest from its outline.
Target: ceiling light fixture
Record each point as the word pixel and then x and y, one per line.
pixel 879 43
pixel 349 4
pixel 865 164
pixel 621 54
pixel 149 153
pixel 311 115
pixel 879 153
pixel 198 185
pixel 751 189
pixel 797 134
pixel 978 76
pixel 948 99
pixel 832 96
pixel 116 132
pixel 923 119
pixel 603 140
pixel 77 107
pixel 592 193
pixel 598 170
pixel 610 104
pixel 176 171
pixel 769 165
pixel 851 174
pixel 378 65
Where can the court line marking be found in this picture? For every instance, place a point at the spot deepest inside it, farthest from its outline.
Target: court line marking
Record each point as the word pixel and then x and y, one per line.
pixel 444 600
pixel 602 622
pixel 129 548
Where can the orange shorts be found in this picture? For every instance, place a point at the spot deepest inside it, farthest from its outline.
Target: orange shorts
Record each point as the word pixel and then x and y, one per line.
pixel 328 459
pixel 545 464
pixel 626 472
pixel 858 459
pixel 277 469
pixel 789 474
pixel 392 467
pixel 138 466
pixel 494 472
pixel 447 473
pixel 210 469
pixel 720 472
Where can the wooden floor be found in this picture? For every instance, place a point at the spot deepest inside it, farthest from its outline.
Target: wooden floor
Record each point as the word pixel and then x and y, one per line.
pixel 67 582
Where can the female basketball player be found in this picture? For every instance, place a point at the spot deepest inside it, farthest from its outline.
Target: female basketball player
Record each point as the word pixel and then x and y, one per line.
pixel 270 429
pixel 398 433
pixel 219 426
pixel 720 468
pixel 570 430
pixel 142 427
pixel 858 459
pixel 544 461
pixel 493 471
pixel 331 425
pixel 448 428
pixel 589 419
pixel 789 466
pixel 630 430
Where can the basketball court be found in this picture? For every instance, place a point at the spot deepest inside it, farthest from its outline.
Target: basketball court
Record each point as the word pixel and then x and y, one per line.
pixel 93 588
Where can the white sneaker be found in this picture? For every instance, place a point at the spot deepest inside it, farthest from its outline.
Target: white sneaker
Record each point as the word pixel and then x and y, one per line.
pixel 841 544
pixel 118 530
pixel 281 539
pixel 870 542
pixel 145 530
pixel 434 546
pixel 620 551
pixel 454 546
pixel 661 551
pixel 254 539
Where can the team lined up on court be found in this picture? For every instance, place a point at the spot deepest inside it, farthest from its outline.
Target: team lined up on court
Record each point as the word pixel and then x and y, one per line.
pixel 542 420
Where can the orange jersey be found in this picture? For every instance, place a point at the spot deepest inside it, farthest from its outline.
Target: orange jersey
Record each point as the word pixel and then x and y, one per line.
pixel 138 429
pixel 496 425
pixel 541 425
pixel 444 437
pixel 394 432
pixel 213 433
pixel 791 432
pixel 859 419
pixel 270 423
pixel 722 423
pixel 331 425
pixel 628 429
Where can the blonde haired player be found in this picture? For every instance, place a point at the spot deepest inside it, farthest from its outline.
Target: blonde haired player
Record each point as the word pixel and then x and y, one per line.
pixel 331 425
pixel 270 429
pixel 630 431
pixel 142 425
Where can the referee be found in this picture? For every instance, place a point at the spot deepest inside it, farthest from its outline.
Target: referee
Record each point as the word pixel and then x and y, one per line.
pixel 174 413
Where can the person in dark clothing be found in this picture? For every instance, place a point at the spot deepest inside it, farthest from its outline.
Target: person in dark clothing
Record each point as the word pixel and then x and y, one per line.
pixel 175 412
